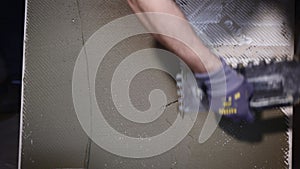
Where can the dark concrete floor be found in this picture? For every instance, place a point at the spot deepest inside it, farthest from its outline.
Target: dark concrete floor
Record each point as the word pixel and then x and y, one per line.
pixel 9 136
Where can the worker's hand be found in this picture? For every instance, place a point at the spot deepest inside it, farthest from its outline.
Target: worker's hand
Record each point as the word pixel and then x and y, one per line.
pixel 228 93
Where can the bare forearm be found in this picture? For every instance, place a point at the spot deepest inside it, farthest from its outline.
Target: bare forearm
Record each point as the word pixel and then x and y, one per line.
pixel 181 39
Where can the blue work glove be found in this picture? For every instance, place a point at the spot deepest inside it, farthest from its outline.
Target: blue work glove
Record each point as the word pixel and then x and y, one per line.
pixel 228 93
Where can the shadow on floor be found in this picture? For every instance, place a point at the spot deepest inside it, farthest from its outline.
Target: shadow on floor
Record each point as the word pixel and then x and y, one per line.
pixel 254 132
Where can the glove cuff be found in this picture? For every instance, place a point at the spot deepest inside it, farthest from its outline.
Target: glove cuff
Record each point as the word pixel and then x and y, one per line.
pixel 221 82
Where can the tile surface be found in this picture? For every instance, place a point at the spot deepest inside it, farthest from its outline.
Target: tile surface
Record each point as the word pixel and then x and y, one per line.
pixel 52 134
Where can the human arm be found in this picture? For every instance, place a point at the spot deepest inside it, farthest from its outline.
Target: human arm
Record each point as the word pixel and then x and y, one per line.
pixel 208 69
pixel 193 52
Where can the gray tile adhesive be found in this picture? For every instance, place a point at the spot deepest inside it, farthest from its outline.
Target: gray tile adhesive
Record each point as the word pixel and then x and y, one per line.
pixel 51 135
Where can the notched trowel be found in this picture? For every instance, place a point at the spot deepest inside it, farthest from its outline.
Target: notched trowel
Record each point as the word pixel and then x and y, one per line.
pixel 276 84
pixel 190 95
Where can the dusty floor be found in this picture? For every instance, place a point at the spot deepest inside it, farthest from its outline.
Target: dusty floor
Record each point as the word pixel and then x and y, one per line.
pixel 53 137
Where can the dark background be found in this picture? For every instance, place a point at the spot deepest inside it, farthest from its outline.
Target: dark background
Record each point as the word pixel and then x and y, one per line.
pixel 11 52
pixel 296 120
pixel 11 43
